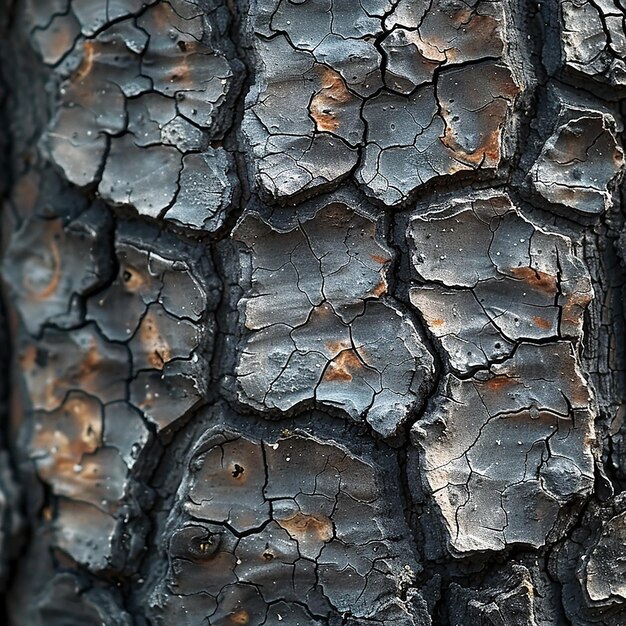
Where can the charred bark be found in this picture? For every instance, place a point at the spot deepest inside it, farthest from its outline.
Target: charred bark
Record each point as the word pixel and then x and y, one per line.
pixel 314 312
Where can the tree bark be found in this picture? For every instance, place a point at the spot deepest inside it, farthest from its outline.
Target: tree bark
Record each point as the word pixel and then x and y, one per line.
pixel 312 312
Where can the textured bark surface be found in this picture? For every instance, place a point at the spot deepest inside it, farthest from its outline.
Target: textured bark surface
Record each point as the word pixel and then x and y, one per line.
pixel 312 312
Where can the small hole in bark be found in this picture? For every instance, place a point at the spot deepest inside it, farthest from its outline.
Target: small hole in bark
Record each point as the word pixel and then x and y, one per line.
pixel 204 547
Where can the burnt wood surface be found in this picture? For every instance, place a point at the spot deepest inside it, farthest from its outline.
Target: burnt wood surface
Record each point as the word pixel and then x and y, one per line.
pixel 312 312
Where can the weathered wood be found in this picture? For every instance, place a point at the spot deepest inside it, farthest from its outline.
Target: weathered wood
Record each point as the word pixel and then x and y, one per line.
pixel 314 312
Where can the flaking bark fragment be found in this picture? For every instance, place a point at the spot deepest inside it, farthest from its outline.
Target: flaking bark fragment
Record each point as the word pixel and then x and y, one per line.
pixel 590 566
pixel 436 89
pixel 143 87
pixel 489 278
pixel 581 163
pixel 319 328
pixel 507 444
pixel 511 603
pixel 307 538
pixel 593 42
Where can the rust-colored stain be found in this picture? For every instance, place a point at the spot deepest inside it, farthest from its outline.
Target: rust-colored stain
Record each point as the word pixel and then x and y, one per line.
pixel 486 37
pixel 438 321
pixel 91 361
pixel 28 358
pixel 132 278
pixel 509 89
pixel 536 279
pixel 86 65
pixel 574 307
pixel 335 347
pixel 379 258
pixel 340 367
pixel 542 322
pixel 158 351
pixel 161 14
pixel 239 617
pixel 493 117
pixel 65 437
pixel 325 102
pixel 182 74
pixel 499 382
pixel 302 527
pixel 323 310
pixel 462 17
pixel 380 289
pixel 488 153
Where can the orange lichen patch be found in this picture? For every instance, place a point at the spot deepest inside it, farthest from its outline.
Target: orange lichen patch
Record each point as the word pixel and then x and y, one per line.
pixel 158 351
pixel 86 65
pixel 542 322
pixel 340 368
pixel 239 617
pixel 536 279
pixel 326 102
pixel 54 261
pixel 303 527
pixel 132 278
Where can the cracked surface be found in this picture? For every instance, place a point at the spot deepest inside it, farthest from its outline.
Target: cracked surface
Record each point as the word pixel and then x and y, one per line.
pixel 144 88
pixel 307 539
pixel 593 40
pixel 510 602
pixel 113 351
pixel 489 278
pixel 508 441
pixel 319 324
pixel 580 163
pixel 314 313
pixel 591 567
pixel 393 92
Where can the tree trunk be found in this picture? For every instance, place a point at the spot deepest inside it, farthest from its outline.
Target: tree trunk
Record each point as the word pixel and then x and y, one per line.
pixel 313 312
